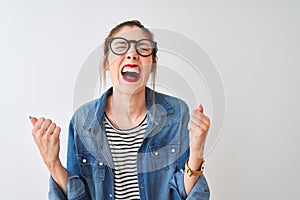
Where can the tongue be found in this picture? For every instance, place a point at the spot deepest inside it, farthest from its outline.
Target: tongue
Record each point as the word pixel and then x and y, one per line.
pixel 131 75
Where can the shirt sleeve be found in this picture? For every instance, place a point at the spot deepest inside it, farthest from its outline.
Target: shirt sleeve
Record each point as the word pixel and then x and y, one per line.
pixel 200 191
pixel 76 189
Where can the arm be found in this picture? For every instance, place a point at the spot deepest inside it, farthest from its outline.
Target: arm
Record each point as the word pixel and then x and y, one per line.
pixel 64 183
pixel 199 190
pixel 183 186
pixel 75 188
pixel 189 181
pixel 198 127
pixel 46 136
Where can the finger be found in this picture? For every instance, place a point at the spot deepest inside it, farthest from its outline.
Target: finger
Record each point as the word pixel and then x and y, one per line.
pixel 200 108
pixel 56 131
pixel 195 135
pixel 51 128
pixel 46 124
pixel 198 114
pixel 33 120
pixel 195 125
pixel 192 126
pixel 200 122
pixel 39 123
pixel 200 118
pixel 54 138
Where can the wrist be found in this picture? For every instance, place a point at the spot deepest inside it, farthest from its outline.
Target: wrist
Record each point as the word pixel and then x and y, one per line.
pixel 52 165
pixel 195 162
pixel 194 172
pixel 197 154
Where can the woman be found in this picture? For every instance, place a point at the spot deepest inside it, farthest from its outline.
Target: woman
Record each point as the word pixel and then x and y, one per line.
pixel 132 142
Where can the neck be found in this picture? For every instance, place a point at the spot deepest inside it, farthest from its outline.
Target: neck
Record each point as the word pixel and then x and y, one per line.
pixel 126 110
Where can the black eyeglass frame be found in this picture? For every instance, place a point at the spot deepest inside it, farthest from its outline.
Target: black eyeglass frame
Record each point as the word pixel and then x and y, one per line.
pixel 135 42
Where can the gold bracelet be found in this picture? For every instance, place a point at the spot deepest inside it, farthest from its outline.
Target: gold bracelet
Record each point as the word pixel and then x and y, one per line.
pixel 194 172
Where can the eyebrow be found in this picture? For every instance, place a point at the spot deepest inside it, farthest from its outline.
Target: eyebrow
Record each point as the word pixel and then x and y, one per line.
pixel 143 43
pixel 121 43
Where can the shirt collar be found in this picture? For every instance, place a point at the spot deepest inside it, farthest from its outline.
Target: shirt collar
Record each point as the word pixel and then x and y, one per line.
pixel 155 109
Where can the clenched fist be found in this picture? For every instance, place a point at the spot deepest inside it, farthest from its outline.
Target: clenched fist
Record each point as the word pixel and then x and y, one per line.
pixel 46 136
pixel 198 127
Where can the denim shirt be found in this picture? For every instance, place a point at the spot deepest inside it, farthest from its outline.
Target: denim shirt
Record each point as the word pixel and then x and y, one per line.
pixel 160 159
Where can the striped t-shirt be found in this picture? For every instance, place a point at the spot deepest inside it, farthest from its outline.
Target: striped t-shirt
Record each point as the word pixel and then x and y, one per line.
pixel 124 145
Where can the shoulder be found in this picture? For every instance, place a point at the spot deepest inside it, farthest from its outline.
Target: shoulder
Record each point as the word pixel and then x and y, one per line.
pixel 85 108
pixel 176 103
pixel 84 111
pixel 92 110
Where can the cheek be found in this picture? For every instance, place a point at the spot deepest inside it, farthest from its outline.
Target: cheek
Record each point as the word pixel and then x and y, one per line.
pixel 148 63
pixel 113 63
pixel 149 60
pixel 146 60
pixel 113 60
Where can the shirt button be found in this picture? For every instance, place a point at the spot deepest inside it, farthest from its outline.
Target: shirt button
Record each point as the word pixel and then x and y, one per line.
pixel 139 157
pixel 110 195
pixel 84 160
pixel 142 185
pixel 101 163
pixel 156 153
pixel 173 150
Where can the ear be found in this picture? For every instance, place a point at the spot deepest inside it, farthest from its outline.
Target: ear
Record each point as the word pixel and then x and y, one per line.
pixel 105 63
pixel 153 67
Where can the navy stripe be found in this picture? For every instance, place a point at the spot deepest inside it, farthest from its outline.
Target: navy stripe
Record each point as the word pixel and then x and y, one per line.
pixel 124 145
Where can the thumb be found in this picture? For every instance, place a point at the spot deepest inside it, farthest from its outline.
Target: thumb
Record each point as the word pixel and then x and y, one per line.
pixel 200 108
pixel 33 120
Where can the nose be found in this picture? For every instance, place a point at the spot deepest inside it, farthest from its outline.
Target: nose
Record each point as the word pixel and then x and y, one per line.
pixel 131 53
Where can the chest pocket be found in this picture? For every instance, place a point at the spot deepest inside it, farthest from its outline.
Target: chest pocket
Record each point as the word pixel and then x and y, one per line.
pixel 91 168
pixel 164 156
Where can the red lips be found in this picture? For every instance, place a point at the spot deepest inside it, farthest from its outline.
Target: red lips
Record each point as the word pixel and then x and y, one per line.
pixel 131 72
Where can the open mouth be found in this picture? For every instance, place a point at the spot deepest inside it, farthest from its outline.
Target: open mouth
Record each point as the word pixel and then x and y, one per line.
pixel 131 73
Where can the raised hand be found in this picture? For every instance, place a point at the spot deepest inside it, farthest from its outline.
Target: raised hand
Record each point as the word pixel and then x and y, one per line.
pixel 198 127
pixel 46 136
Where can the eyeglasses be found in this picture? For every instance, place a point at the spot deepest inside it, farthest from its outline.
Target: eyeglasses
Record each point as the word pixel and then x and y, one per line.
pixel 143 47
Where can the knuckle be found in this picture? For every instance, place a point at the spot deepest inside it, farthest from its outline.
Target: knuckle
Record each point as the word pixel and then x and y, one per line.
pixel 53 139
pixel 40 132
pixel 58 128
pixel 199 129
pixel 41 119
pixel 45 138
pixel 36 135
pixel 200 135
pixel 207 119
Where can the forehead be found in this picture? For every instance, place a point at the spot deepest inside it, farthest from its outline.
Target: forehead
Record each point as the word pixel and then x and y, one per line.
pixel 132 33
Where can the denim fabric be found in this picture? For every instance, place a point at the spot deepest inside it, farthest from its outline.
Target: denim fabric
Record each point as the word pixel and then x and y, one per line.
pixel 160 158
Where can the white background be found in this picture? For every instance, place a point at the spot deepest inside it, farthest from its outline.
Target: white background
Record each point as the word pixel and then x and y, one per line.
pixel 254 44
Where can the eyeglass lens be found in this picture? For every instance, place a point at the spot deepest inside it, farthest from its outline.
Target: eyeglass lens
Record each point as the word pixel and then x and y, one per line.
pixel 120 46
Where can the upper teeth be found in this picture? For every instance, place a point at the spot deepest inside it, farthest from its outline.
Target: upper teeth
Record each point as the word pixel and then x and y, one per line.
pixel 131 69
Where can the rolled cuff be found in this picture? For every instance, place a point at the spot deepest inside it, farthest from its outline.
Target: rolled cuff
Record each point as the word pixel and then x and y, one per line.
pixel 200 191
pixel 75 189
